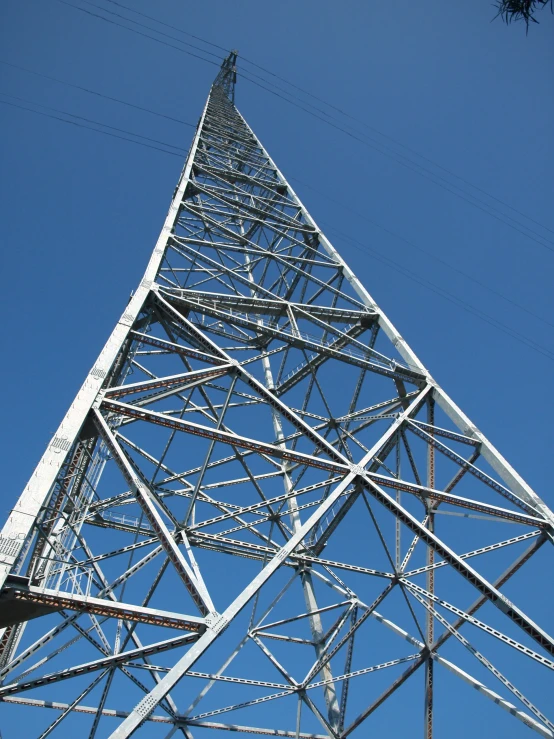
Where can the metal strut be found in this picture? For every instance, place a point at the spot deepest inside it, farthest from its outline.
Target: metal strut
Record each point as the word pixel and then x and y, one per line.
pixel 222 514
pixel 227 76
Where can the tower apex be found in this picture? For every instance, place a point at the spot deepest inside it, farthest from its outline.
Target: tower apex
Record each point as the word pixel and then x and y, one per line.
pixel 227 75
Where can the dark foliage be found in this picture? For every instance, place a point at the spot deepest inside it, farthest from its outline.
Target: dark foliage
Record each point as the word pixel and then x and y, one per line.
pixel 517 10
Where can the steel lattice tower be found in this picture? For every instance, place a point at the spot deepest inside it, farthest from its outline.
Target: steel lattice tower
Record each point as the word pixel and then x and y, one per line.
pixel 261 514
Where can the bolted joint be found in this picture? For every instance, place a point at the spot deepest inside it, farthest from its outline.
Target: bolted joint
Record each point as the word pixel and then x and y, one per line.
pixel 236 365
pixel 216 622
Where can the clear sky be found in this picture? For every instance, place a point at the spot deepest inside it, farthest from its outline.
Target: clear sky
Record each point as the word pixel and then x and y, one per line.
pixel 456 93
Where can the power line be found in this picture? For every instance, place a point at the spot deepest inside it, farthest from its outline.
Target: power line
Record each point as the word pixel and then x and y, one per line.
pixel 140 33
pixel 167 25
pixel 395 141
pixel 99 94
pixel 222 48
pixel 90 128
pixel 180 150
pixel 449 296
pixel 342 112
pixel 418 169
pixel 421 281
pixel 391 153
pixel 377 146
pixel 425 251
pixel 142 25
pixel 304 184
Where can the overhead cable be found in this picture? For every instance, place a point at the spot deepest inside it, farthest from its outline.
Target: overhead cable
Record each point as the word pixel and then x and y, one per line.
pixel 90 128
pixel 424 251
pixel 422 281
pixel 468 307
pixel 140 33
pixel 361 122
pixel 179 149
pixel 304 184
pixel 99 94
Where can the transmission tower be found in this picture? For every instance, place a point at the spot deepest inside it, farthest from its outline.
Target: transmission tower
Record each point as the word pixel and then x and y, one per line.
pixel 261 514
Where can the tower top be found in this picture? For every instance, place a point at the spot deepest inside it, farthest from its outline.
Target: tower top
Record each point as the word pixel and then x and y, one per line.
pixel 227 75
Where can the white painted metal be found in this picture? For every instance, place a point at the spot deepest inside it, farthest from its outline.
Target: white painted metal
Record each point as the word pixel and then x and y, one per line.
pixel 247 464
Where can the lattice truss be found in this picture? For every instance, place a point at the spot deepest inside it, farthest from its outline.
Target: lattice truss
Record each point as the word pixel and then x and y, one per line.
pixel 261 513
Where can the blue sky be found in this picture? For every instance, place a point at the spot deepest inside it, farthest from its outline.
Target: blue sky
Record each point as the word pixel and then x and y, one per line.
pixel 80 211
